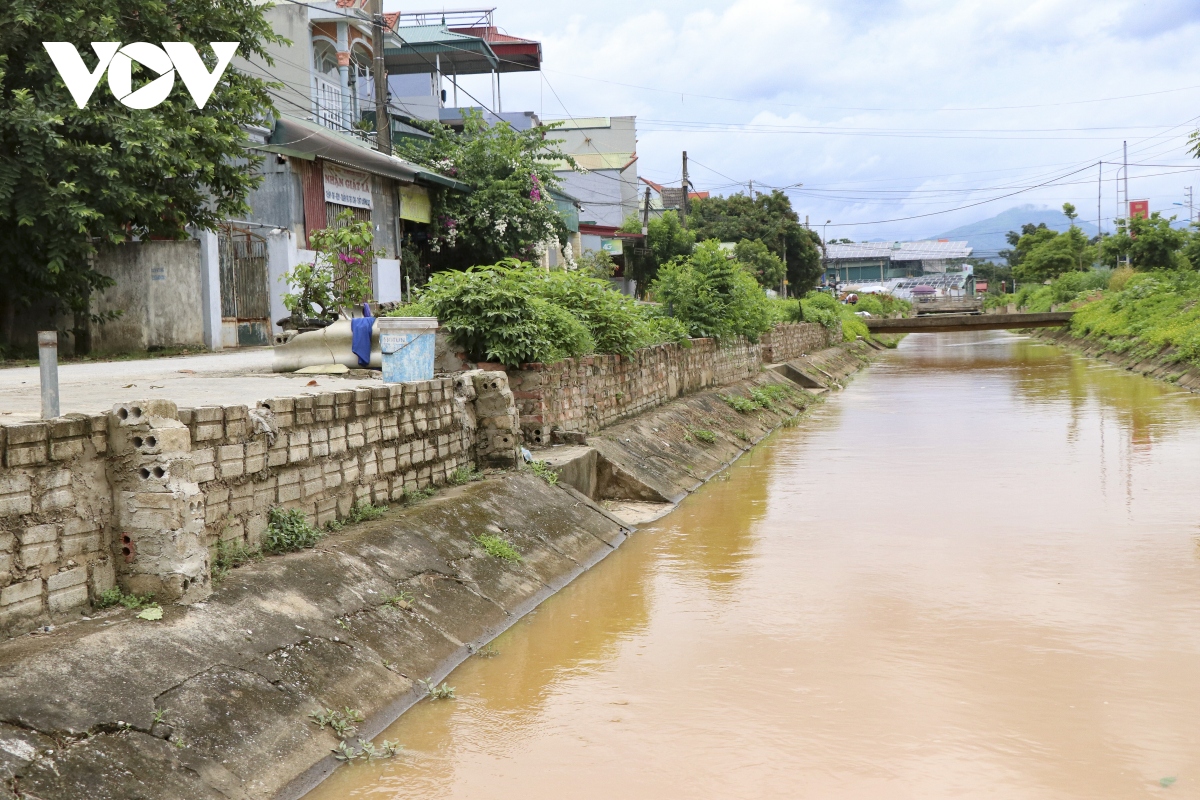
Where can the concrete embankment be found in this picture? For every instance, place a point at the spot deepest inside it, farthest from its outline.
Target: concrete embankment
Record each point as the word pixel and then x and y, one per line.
pixel 1159 366
pixel 213 701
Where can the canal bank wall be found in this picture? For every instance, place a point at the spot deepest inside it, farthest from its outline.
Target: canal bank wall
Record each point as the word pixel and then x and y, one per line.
pixel 1161 366
pixel 140 497
pixel 214 700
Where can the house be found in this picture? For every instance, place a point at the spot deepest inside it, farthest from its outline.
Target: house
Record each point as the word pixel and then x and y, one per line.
pixel 664 198
pixel 606 184
pixel 322 160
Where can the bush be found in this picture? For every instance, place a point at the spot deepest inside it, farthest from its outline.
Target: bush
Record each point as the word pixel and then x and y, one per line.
pixel 1120 277
pixel 517 314
pixel 713 295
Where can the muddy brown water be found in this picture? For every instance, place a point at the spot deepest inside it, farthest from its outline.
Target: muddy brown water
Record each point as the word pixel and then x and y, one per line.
pixel 973 574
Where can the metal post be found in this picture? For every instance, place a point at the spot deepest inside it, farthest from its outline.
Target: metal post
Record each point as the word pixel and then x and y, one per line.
pixel 646 217
pixel 48 360
pixel 1125 149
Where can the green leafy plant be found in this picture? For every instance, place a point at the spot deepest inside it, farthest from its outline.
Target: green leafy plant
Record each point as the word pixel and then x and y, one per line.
pixel 435 692
pixel 114 596
pixel 288 530
pixel 364 512
pixel 708 437
pixel 340 275
pixel 401 599
pixel 413 495
pixel 344 723
pixel 544 471
pixel 741 434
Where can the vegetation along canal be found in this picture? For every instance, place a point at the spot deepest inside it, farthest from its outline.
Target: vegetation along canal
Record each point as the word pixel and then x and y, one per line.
pixel 974 573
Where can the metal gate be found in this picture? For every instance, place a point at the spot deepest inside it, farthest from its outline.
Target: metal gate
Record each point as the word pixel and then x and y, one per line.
pixel 245 300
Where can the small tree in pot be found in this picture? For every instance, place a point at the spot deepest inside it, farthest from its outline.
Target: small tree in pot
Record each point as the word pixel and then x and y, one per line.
pixel 338 279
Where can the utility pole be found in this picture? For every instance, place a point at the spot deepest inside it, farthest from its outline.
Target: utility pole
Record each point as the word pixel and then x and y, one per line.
pixel 646 214
pixel 683 200
pixel 383 122
pixel 752 189
pixel 1190 204
pixel 1125 151
pixel 1099 193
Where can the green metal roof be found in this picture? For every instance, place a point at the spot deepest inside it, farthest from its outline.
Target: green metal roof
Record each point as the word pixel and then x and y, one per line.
pixel 420 44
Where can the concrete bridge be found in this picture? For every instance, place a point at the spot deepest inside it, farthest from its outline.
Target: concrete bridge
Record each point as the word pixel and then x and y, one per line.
pixel 942 323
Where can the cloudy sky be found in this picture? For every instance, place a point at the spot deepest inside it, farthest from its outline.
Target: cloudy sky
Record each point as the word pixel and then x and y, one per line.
pixel 916 116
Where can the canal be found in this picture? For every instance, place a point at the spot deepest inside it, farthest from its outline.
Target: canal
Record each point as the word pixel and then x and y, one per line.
pixel 974 573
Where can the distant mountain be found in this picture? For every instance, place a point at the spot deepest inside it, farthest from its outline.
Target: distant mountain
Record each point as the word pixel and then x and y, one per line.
pixel 987 235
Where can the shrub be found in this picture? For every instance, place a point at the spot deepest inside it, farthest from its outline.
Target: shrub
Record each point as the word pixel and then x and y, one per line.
pixel 517 314
pixel 1153 311
pixel 339 276
pixel 713 295
pixel 1119 278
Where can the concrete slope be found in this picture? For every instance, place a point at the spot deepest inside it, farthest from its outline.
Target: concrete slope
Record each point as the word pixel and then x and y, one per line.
pixel 213 700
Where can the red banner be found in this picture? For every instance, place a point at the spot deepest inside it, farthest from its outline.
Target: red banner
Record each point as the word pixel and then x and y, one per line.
pixel 1139 208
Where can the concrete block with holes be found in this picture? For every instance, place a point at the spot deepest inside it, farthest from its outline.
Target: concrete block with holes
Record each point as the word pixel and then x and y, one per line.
pixel 159 508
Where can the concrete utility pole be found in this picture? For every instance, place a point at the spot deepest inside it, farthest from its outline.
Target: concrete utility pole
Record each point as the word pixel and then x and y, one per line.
pixel 383 122
pixel 683 200
pixel 1099 195
pixel 1125 151
pixel 646 214
pixel 1190 204
pixel 751 190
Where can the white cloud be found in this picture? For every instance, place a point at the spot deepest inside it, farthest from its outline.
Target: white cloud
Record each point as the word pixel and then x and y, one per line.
pixel 902 66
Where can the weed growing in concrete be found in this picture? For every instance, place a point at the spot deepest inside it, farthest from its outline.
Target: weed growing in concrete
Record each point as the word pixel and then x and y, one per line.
pixel 742 405
pixel 158 716
pixel 344 723
pixel 288 530
pixel 791 422
pixel 114 597
pixel 464 475
pixel 435 692
pixel 413 495
pixel 231 556
pixel 497 547
pixel 544 471
pixel 359 512
pixel 741 434
pixel 708 437
pixel 399 600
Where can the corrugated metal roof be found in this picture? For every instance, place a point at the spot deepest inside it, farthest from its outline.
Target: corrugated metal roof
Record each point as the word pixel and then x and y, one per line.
pixel 898 251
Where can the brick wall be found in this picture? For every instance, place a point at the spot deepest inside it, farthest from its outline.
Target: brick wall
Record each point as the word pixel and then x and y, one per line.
pixel 323 453
pixel 583 395
pixel 141 496
pixel 785 342
pixel 55 517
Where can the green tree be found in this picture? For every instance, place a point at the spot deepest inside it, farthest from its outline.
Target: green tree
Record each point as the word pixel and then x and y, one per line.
pixel 713 294
pixel 1148 244
pixel 509 211
pixel 76 179
pixel 766 267
pixel 665 239
pixel 1046 254
pixel 1014 255
pixel 769 218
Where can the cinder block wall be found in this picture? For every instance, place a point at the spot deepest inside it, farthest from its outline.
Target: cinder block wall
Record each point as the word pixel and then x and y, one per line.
pixel 584 395
pixel 82 511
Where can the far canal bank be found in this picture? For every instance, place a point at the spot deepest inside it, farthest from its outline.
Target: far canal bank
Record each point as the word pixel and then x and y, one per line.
pixel 973 573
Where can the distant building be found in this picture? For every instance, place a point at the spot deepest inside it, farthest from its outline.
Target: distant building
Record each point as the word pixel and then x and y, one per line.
pixel 865 263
